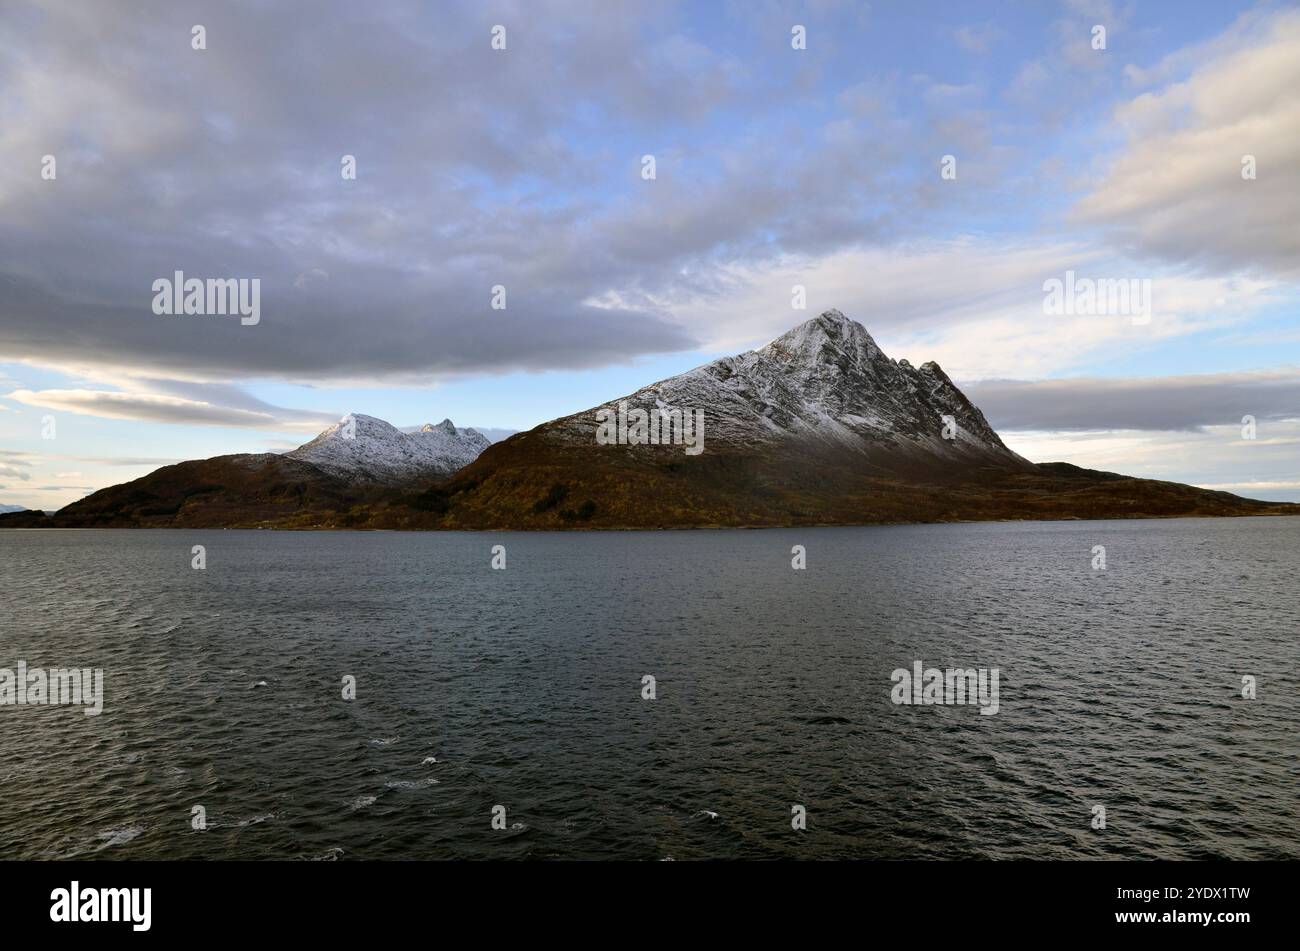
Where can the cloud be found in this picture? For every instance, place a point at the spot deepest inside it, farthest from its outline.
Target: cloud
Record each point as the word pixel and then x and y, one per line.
pixel 471 173
pixel 1253 486
pixel 306 277
pixel 1215 457
pixel 1015 339
pixel 1164 404
pixel 225 396
pixel 975 305
pixel 126 460
pixel 29 459
pixel 1071 75
pixel 1177 192
pixel 141 406
pixel 978 39
pixel 920 289
pixel 151 399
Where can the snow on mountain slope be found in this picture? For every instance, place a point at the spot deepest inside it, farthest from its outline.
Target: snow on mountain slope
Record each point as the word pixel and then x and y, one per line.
pixel 364 449
pixel 826 382
pixel 490 433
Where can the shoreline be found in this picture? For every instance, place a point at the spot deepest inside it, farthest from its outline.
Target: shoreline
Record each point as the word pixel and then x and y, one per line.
pixel 639 528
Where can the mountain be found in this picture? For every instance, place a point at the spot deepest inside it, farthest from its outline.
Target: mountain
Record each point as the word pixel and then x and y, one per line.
pixel 491 433
pixel 819 427
pixel 237 490
pixel 823 387
pixel 5 509
pixel 326 482
pixel 365 450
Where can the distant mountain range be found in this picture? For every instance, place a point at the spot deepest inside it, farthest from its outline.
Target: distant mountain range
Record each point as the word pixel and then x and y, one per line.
pixel 322 483
pixel 818 427
pixel 363 450
pixel 4 509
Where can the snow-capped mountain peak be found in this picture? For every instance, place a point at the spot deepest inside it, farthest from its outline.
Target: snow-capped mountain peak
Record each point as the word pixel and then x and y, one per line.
pixel 361 448
pixel 824 338
pixel 446 426
pixel 824 382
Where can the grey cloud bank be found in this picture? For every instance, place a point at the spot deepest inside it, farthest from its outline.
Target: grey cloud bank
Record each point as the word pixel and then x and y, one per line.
pixel 470 173
pixel 226 162
pixel 1169 403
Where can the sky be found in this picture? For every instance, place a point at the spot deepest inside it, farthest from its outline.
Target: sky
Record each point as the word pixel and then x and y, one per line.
pixel 926 167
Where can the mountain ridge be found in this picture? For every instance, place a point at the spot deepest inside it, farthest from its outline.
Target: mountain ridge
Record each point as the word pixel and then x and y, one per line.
pixel 824 380
pixel 817 427
pixel 366 449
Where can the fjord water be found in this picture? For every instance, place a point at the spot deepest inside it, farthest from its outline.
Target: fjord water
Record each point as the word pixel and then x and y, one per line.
pixel 1119 688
